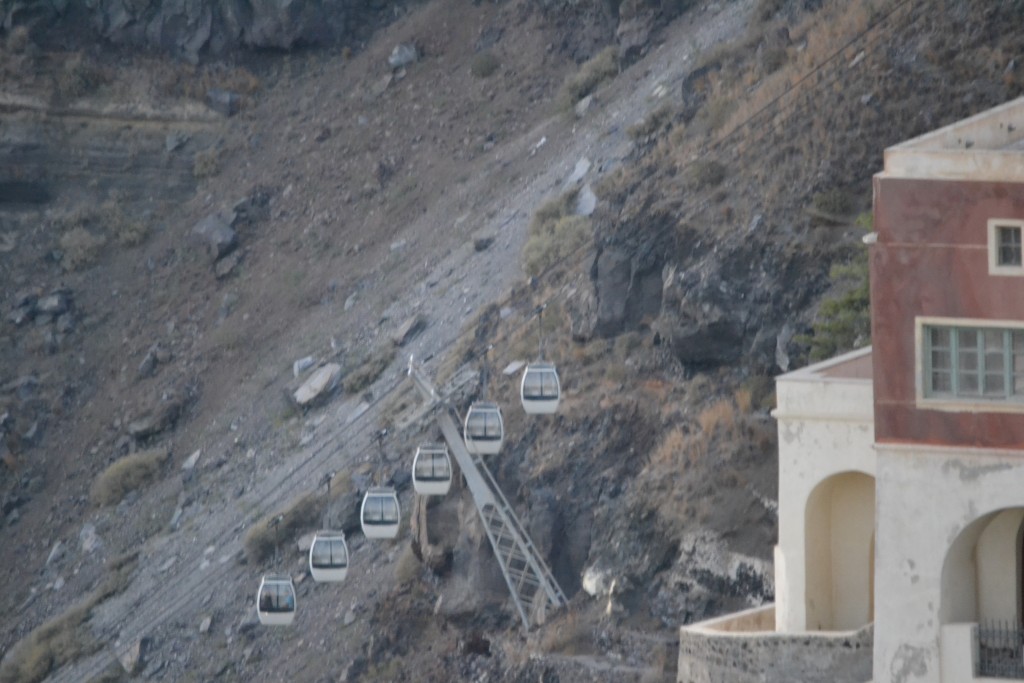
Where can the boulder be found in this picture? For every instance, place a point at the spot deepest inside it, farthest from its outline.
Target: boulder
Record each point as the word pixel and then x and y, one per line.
pixel 409 329
pixel 132 657
pixel 402 55
pixel 223 102
pixel 157 419
pixel 216 234
pixel 323 380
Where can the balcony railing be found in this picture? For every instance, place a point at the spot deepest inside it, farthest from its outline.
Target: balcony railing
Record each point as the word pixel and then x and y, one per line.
pixel 1001 650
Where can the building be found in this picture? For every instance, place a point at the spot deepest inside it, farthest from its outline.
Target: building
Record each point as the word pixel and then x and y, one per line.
pixel 901 467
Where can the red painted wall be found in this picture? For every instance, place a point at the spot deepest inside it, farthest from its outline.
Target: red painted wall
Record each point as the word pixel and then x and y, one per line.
pixel 931 259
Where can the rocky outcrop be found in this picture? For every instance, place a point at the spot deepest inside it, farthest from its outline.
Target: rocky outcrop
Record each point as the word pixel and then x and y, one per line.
pixel 190 28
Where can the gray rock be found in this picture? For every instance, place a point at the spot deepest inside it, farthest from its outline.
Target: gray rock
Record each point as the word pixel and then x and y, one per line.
pixel 157 419
pixel 89 539
pixel 483 243
pixel 578 171
pixel 409 329
pixel 192 460
pixel 223 102
pixel 56 553
pixel 65 323
pixel 319 384
pixel 175 140
pixel 350 617
pixel 227 265
pixel 20 316
pixel 132 658
pixel 402 55
pixel 301 365
pixel 204 625
pixel 53 304
pixel 215 232
pixel 583 106
pixel 586 201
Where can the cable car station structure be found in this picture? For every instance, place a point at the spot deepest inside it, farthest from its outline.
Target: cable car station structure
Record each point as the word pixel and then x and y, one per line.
pixel 530 581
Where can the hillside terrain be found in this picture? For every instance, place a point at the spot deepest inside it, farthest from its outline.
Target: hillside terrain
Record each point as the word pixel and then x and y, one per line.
pixel 180 225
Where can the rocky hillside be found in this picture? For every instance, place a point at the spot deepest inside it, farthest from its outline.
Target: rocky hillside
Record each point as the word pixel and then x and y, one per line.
pixel 178 238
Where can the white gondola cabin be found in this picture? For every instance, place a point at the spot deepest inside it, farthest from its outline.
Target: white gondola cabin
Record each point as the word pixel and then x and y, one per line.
pixel 432 470
pixel 328 556
pixel 484 429
pixel 540 390
pixel 275 601
pixel 380 513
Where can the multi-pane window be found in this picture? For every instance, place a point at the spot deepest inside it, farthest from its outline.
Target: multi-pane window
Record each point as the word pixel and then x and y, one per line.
pixel 1008 237
pixel 974 363
pixel 1004 247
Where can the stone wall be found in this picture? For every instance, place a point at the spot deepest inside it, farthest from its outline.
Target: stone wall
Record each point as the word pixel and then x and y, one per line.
pixel 717 651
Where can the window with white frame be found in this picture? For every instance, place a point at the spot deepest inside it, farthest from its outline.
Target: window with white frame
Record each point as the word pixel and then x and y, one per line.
pixel 1004 246
pixel 973 363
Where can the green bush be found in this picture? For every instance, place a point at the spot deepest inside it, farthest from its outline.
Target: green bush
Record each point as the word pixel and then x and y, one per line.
pixel 601 67
pixel 844 320
pixel 264 537
pixel 127 474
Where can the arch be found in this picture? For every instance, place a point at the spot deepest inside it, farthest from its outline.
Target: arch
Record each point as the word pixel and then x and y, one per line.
pixel 982 570
pixel 839 532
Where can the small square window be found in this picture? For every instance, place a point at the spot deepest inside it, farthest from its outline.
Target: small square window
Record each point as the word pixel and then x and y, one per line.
pixel 1004 247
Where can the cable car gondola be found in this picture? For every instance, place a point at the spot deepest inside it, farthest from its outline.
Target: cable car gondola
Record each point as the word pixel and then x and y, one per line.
pixel 432 470
pixel 380 513
pixel 540 390
pixel 484 429
pixel 275 601
pixel 328 556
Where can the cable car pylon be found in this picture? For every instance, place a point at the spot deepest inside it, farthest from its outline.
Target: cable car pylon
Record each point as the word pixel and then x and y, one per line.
pixel 534 589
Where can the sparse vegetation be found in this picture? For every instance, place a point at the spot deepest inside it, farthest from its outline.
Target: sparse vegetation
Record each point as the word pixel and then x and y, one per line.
pixel 655 121
pixel 369 368
pixel 127 474
pixel 844 319
pixel 707 173
pixel 66 637
pixel 303 515
pixel 554 234
pixel 206 163
pixel 592 73
pixel 834 202
pixel 485 64
pixel 76 77
pixel 80 248
pixel 407 568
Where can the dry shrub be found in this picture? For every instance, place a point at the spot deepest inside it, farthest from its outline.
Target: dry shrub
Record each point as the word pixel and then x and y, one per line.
pixel 744 399
pixel 266 535
pixel 484 64
pixel 554 234
pixel 127 474
pixel 653 123
pixel 80 248
pixel 64 638
pixel 206 163
pixel 601 67
pixel 194 82
pixel 833 201
pixel 720 414
pixel 672 447
pixel 369 368
pixel 707 173
pixel 56 642
pixel 76 77
pixel 568 635
pixel 127 231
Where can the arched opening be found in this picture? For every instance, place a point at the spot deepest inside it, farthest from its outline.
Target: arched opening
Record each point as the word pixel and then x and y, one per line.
pixel 983 573
pixel 839 533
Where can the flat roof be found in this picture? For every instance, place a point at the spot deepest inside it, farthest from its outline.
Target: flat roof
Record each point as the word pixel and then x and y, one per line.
pixel 988 146
pixel 852 365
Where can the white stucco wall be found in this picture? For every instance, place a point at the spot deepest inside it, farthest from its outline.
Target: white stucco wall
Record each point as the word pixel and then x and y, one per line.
pixel 935 509
pixel 826 429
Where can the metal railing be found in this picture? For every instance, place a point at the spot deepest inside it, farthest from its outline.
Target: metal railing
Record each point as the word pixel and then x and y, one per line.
pixel 1001 650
